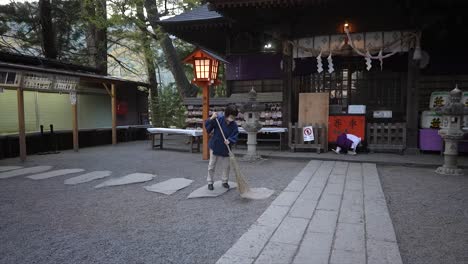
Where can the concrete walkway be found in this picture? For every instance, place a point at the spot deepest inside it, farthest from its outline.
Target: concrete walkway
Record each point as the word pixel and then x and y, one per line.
pixel 332 212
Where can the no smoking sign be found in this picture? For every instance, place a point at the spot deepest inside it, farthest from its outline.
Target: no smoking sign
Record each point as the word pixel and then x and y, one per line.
pixel 308 133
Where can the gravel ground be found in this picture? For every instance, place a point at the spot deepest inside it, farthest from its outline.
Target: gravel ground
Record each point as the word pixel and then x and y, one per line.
pixel 429 213
pixel 49 222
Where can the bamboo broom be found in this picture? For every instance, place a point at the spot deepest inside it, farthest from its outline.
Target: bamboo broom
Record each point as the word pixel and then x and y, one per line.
pixel 240 178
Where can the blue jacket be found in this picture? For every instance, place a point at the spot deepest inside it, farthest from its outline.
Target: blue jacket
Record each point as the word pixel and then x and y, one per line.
pixel 216 142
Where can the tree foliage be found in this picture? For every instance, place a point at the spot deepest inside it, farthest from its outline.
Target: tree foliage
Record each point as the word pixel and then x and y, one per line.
pixel 135 45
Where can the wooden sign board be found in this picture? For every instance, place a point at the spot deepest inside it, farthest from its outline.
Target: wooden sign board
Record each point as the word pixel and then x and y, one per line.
pixel 313 108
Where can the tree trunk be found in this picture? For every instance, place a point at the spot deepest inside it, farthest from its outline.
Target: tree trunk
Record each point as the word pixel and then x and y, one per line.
pixel 88 9
pixel 49 46
pixel 96 34
pixel 101 38
pixel 175 66
pixel 151 70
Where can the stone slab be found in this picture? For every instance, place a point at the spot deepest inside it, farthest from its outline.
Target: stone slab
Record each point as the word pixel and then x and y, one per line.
pixel 251 243
pixel 353 186
pixel 333 188
pixel 379 227
pixel 54 173
pixel 311 193
pixel 295 186
pixel 232 259
pixel 275 252
pixel 170 186
pixel 87 177
pixel 315 248
pixel 286 198
pixel 350 237
pixel 309 170
pixel 347 257
pixel 382 252
pixel 290 230
pixel 19 172
pixel 7 168
pixel 218 190
pixel 329 202
pixel 127 179
pixel 340 179
pixel 323 222
pixel 273 216
pixel 303 208
pixel 351 215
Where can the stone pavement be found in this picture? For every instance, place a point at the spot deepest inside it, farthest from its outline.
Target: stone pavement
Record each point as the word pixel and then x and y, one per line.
pixel 421 160
pixel 332 212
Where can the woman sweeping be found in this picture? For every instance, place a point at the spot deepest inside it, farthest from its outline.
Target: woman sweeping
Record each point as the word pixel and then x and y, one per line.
pixel 219 153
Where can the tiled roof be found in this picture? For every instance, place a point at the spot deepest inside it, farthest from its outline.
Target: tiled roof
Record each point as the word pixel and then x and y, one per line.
pixel 196 14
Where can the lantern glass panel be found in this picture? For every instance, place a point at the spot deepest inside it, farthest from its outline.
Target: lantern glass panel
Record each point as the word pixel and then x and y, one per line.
pixel 202 68
pixel 214 70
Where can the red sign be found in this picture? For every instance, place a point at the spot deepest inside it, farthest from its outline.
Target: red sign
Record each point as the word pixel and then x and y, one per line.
pixel 350 124
pixel 121 108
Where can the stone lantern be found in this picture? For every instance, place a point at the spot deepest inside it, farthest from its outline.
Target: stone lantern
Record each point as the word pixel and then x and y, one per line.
pixel 251 110
pixel 451 132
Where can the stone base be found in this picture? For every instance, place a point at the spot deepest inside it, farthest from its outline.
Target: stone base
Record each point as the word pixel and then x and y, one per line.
pixel 412 151
pixel 250 158
pixel 449 171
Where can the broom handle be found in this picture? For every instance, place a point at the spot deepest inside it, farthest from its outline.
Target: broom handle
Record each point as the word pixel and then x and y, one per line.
pixel 222 133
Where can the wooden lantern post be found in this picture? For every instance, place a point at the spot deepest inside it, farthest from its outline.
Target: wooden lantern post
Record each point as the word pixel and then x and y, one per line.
pixel 21 124
pixel 205 67
pixel 73 101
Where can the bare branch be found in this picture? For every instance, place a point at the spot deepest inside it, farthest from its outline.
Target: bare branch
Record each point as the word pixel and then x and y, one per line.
pixel 120 44
pixel 121 63
pixel 8 45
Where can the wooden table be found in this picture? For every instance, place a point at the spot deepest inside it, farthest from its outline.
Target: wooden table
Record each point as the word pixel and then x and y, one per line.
pixel 194 134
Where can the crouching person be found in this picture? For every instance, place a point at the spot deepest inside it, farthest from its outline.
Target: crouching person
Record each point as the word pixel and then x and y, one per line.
pixel 347 142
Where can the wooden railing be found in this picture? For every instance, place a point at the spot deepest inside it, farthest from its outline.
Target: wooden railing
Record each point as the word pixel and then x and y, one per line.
pixel 296 139
pixel 386 136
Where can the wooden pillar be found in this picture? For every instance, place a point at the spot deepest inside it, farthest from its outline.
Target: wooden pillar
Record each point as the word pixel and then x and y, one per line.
pixel 74 101
pixel 114 116
pixel 287 86
pixel 412 105
pixel 205 113
pixel 21 124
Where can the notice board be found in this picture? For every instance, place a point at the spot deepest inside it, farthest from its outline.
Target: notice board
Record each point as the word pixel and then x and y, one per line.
pixel 351 124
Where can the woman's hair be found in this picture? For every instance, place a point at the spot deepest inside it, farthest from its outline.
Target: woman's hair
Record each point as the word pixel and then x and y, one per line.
pixel 231 109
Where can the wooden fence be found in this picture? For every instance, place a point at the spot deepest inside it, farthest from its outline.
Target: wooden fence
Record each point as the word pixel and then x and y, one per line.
pixel 386 136
pixel 296 139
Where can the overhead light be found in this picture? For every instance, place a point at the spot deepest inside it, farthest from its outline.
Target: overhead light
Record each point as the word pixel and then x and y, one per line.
pixel 345 26
pixel 417 55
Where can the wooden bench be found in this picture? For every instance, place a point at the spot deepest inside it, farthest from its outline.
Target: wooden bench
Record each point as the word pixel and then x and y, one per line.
pixel 195 137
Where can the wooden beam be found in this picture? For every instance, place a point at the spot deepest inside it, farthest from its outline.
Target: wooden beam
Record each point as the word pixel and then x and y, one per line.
pixel 21 124
pixel 412 105
pixel 287 86
pixel 205 113
pixel 107 89
pixel 75 124
pixel 114 117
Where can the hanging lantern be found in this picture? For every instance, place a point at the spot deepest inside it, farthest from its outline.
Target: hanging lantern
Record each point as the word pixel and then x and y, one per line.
pixel 205 66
